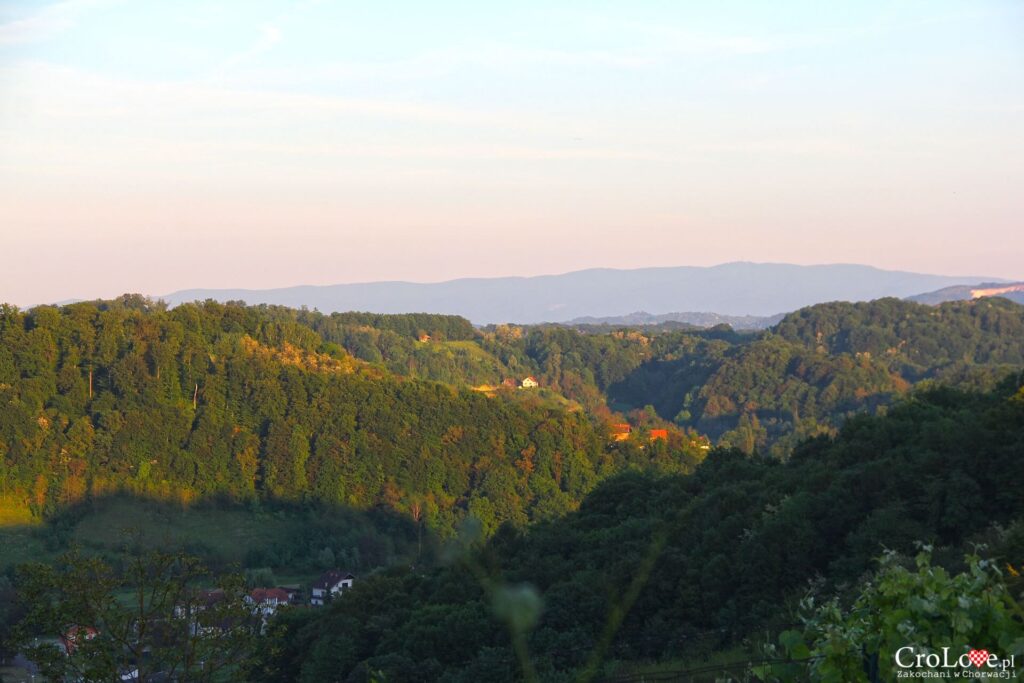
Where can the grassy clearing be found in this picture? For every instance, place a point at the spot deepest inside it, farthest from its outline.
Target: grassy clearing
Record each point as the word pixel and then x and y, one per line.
pixel 664 668
pixel 469 348
pixel 475 365
pixel 21 545
pixel 292 542
pixel 14 513
pixel 13 674
pixel 19 540
pixel 226 535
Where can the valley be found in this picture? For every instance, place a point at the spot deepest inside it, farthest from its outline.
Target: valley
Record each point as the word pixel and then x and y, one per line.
pixel 281 443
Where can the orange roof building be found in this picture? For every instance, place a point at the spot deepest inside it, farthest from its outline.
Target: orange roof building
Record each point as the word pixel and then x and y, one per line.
pixel 621 431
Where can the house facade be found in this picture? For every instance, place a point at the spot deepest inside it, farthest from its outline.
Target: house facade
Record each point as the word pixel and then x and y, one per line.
pixel 621 431
pixel 329 584
pixel 266 601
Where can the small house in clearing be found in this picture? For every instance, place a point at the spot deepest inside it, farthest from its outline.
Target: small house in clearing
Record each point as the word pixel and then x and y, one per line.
pixel 530 383
pixel 659 434
pixel 621 431
pixel 329 584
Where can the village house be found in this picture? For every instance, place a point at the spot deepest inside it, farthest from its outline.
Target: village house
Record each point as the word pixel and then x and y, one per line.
pixel 201 600
pixel 530 383
pixel 207 612
pixel 621 431
pixel 265 601
pixel 74 636
pixel 329 584
pixel 659 434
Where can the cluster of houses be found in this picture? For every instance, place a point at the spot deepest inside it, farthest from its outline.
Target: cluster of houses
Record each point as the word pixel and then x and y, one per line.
pixel 203 617
pixel 622 431
pixel 266 601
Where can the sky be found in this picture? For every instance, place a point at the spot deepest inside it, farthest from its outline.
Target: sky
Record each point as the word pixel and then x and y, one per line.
pixel 150 146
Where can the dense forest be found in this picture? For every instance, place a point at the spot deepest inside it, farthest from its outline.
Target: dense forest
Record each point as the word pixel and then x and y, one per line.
pixel 228 402
pixel 663 493
pixel 760 392
pixel 684 565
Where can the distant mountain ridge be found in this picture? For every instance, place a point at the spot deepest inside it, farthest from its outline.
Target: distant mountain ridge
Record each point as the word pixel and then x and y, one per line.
pixel 730 289
pixel 737 322
pixel 1014 291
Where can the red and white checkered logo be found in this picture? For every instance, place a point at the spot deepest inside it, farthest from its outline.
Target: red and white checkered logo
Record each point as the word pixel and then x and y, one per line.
pixel 978 657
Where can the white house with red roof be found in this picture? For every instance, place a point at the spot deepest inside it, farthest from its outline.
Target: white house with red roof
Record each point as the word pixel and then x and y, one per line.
pixel 265 601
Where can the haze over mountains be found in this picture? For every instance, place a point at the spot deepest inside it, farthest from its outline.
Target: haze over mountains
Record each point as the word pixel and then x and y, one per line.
pixel 683 319
pixel 731 289
pixel 1014 291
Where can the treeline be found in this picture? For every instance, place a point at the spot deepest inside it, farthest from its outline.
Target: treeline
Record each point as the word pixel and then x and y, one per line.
pixel 765 392
pixel 412 325
pixel 757 392
pixel 226 400
pixel 914 339
pixel 250 403
pixel 711 557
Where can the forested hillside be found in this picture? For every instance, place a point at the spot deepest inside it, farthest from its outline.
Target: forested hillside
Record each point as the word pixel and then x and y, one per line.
pixel 697 562
pixel 244 403
pixel 211 401
pixel 762 391
pixel 290 441
pixel 917 341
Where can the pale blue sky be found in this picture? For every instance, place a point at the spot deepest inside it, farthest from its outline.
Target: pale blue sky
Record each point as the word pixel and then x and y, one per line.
pixel 151 146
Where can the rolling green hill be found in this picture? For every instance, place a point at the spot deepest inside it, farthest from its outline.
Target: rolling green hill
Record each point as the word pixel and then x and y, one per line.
pixel 287 441
pixel 251 405
pixel 236 405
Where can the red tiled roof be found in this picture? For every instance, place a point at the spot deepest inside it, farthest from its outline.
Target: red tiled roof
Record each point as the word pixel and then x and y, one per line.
pixel 76 635
pixel 659 434
pixel 260 595
pixel 209 598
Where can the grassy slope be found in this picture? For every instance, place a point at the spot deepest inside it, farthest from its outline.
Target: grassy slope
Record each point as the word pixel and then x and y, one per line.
pixel 221 536
pixel 18 537
pixel 228 534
